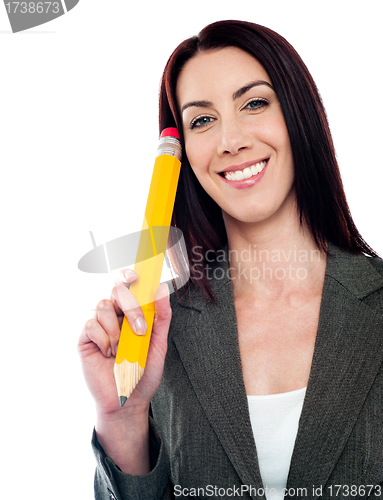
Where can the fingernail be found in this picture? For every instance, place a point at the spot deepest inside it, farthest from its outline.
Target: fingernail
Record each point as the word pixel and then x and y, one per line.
pixel 109 352
pixel 129 273
pixel 115 350
pixel 140 325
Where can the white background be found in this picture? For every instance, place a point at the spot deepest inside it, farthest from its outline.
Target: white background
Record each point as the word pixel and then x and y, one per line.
pixel 78 131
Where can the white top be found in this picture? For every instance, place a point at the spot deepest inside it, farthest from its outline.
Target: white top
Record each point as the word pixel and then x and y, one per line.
pixel 274 419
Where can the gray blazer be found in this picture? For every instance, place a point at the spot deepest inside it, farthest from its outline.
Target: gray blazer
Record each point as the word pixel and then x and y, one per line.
pixel 201 437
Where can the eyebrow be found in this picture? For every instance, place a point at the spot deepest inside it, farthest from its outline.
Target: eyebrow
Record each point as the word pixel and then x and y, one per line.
pixel 198 104
pixel 239 93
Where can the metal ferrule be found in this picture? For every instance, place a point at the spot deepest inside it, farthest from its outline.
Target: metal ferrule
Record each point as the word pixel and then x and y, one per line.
pixel 169 146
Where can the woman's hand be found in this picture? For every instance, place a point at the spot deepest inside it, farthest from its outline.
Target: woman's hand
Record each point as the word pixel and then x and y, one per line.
pixel 98 344
pixel 124 432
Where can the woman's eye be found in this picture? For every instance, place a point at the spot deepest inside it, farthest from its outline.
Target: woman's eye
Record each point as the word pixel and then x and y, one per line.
pixel 200 121
pixel 256 104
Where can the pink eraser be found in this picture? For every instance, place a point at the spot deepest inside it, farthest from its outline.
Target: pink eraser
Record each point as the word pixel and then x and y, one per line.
pixel 170 131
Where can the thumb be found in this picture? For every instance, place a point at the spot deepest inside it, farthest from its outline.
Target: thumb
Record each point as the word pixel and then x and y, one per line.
pixel 163 310
pixel 159 336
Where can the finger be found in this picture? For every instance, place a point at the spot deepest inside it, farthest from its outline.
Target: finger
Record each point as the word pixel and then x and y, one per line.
pixel 159 339
pixel 94 334
pixel 128 304
pixel 162 317
pixel 106 316
pixel 126 277
pixel 162 303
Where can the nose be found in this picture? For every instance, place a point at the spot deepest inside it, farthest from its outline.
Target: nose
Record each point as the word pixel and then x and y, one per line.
pixel 234 138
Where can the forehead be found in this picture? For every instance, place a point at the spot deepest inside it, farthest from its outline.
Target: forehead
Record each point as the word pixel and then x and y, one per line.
pixel 218 70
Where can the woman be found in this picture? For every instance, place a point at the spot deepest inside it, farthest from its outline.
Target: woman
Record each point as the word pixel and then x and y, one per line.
pixel 270 381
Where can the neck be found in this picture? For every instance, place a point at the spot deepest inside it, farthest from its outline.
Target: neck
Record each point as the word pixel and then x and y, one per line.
pixel 273 258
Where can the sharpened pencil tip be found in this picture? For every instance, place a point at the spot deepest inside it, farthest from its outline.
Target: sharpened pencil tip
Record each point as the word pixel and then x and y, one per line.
pixel 122 400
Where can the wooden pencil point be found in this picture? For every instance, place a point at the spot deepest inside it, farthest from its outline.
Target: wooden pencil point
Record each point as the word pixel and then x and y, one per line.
pixel 127 376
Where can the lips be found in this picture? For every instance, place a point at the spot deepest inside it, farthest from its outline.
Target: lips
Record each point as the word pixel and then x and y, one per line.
pixel 245 175
pixel 244 171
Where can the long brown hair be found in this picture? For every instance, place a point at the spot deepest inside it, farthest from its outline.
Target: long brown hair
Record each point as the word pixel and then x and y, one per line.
pixel 319 190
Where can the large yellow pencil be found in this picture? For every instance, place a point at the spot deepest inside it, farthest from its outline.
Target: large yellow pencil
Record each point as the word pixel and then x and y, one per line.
pixel 133 349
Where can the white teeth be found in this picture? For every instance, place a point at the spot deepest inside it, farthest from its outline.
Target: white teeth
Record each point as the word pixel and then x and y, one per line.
pixel 246 173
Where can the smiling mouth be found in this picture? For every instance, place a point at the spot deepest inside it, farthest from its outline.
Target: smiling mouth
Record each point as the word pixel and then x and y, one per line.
pixel 246 173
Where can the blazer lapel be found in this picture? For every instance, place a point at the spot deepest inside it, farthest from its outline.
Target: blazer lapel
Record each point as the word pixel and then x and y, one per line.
pixel 212 362
pixel 347 356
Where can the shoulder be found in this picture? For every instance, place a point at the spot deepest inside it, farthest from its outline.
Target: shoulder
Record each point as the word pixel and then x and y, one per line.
pixel 377 263
pixel 375 298
pixel 361 275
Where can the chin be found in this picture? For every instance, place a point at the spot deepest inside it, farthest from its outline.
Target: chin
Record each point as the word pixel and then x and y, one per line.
pixel 252 217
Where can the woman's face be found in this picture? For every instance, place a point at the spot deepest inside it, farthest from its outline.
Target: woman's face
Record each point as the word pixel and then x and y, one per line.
pixel 235 135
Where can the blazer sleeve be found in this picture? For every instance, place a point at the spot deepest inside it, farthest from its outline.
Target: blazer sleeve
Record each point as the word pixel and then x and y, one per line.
pixel 111 483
